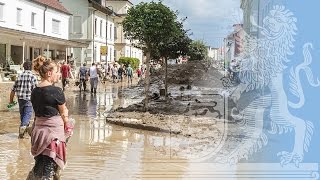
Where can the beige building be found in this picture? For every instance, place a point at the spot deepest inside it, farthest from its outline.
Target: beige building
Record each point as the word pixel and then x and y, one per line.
pixel 123 46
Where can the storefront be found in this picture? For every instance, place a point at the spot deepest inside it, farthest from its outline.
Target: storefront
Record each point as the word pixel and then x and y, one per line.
pixel 18 46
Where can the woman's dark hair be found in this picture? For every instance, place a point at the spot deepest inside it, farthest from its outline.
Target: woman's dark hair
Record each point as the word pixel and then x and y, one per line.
pixel 43 65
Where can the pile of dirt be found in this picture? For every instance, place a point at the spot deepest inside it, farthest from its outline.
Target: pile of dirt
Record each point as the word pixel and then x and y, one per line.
pixel 182 73
pixel 184 81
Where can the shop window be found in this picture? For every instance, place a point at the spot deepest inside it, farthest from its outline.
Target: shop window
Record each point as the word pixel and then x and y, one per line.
pixel 36 52
pixel 3 54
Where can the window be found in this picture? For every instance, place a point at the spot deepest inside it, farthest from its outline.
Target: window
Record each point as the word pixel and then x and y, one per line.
pixel 106 29
pixel 100 28
pixel 77 27
pixel 110 31
pixel 55 26
pixel 110 50
pixel 33 16
pixel 95 26
pixel 115 33
pixel 1 11
pixel 19 16
pixel 3 52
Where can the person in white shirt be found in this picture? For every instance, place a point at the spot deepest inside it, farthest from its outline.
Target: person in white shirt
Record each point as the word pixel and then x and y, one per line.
pixel 114 73
pixel 106 71
pixel 93 73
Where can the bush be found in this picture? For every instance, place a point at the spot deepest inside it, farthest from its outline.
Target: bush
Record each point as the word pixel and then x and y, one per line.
pixel 134 62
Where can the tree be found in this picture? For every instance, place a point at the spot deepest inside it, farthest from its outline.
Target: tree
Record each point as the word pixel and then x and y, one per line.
pixel 178 44
pixel 152 24
pixel 198 50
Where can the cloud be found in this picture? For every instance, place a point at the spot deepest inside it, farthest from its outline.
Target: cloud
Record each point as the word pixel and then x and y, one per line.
pixel 209 20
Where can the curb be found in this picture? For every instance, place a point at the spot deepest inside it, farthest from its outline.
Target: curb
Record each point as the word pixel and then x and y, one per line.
pixel 140 126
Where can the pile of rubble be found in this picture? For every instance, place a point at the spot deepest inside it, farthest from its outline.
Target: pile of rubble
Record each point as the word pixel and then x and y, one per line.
pixel 194 93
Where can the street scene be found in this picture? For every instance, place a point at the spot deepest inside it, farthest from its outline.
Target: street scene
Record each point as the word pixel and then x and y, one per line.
pixel 141 89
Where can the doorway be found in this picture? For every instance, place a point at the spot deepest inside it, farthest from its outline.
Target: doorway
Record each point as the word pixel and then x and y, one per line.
pixel 16 54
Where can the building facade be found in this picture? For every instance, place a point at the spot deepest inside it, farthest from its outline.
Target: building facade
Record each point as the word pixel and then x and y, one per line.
pixel 256 10
pixel 123 46
pixel 213 53
pixel 29 28
pixel 92 23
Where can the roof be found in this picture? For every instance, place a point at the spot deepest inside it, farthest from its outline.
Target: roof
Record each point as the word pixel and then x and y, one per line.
pixel 99 7
pixel 54 4
pixel 122 0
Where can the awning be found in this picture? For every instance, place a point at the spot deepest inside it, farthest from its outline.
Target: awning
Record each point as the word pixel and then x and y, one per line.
pixel 41 38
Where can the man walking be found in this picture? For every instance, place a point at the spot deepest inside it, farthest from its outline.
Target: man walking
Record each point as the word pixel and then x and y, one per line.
pixel 65 72
pixel 93 73
pixel 82 75
pixel 129 73
pixel 23 87
pixel 120 73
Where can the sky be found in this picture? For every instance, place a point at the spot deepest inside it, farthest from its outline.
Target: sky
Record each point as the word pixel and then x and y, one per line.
pixel 208 20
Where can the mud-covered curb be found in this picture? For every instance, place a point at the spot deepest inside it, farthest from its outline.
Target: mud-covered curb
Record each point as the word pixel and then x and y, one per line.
pixel 202 127
pixel 139 126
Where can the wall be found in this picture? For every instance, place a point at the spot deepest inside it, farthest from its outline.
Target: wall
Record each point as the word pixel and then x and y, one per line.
pixel 120 7
pixel 78 9
pixel 10 18
pixel 64 24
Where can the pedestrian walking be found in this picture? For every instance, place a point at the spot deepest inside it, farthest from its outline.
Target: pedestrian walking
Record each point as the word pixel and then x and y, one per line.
pixel 120 73
pixel 93 73
pixel 114 72
pixel 129 73
pixel 65 71
pixel 139 73
pixel 48 138
pixel 22 88
pixel 106 71
pixel 83 72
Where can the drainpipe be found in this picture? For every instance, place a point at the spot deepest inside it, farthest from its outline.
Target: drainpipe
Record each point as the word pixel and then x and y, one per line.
pixel 93 33
pixel 44 19
pixel 106 38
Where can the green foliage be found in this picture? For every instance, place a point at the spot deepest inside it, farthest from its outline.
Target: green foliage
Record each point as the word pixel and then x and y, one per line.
pixel 198 51
pixel 134 62
pixel 152 24
pixel 178 44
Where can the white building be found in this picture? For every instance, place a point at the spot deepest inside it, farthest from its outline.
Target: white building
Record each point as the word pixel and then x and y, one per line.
pixel 29 28
pixel 123 46
pixel 91 23
pixel 213 53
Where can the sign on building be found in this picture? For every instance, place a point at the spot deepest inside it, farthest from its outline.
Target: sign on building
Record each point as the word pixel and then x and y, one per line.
pixel 103 50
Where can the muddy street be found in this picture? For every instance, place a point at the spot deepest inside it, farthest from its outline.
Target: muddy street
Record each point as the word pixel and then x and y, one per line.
pixel 99 150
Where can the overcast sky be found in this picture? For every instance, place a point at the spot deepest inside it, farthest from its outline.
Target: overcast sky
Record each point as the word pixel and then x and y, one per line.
pixel 209 20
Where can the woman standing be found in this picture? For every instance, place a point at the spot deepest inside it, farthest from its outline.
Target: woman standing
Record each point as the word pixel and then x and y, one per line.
pixel 48 140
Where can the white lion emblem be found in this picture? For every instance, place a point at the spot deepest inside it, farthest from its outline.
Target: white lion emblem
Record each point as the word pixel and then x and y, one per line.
pixel 261 70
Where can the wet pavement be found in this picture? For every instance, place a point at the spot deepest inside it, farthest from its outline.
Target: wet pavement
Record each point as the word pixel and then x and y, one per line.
pixel 99 150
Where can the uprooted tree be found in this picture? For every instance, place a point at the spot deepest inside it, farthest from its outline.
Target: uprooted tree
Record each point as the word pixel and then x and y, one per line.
pixel 152 24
